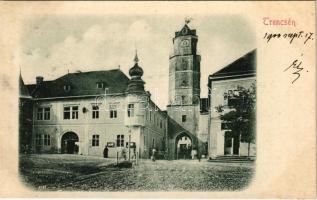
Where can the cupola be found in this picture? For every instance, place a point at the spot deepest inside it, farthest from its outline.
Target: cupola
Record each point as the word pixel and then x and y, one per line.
pixel 136 71
pixel 136 84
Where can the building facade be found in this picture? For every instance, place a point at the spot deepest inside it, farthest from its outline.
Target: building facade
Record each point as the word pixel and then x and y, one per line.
pixel 25 118
pixel 222 87
pixel 84 112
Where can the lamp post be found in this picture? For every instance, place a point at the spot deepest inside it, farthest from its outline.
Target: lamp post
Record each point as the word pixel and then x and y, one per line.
pixel 129 142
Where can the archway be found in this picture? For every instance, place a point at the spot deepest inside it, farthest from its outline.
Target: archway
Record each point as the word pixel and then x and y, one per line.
pixel 68 143
pixel 183 145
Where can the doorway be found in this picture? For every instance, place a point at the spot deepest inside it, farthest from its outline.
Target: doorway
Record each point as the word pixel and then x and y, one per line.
pixel 183 146
pixel 232 144
pixel 68 143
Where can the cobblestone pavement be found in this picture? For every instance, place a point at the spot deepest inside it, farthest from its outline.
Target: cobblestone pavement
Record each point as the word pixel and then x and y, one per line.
pixel 99 175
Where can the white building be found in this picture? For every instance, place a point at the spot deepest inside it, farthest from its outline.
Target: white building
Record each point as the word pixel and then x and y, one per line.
pixel 224 82
pixel 83 112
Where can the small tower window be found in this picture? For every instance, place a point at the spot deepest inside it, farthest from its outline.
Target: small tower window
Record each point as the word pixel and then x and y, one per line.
pixel 183 118
pixel 184 83
pixel 183 100
pixel 99 85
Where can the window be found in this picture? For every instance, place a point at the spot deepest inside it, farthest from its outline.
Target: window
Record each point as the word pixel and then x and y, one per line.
pixel 150 116
pixel 71 112
pixel 232 98
pixel 47 140
pixel 67 88
pixel 184 83
pixel 225 99
pixel 43 113
pixel 47 114
pixel 120 140
pixel 75 112
pixel 233 101
pixel 99 85
pixel 39 115
pixel 224 125
pixel 66 112
pixel 95 140
pixel 130 110
pixel 95 112
pixel 38 139
pixel 113 110
pixel 183 118
pixel 183 100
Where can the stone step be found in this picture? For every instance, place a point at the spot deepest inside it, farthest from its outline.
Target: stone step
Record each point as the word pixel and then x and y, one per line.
pixel 232 159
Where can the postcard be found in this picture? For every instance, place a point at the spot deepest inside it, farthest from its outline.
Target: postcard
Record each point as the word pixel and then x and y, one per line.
pixel 163 99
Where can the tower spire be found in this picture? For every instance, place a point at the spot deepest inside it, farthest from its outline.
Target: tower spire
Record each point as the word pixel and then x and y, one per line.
pixel 136 59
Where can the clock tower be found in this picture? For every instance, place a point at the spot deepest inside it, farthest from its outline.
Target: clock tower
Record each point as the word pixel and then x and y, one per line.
pixel 184 79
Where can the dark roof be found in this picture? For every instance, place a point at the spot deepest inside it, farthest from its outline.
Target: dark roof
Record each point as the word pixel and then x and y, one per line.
pixel 185 31
pixel 82 83
pixel 23 91
pixel 244 65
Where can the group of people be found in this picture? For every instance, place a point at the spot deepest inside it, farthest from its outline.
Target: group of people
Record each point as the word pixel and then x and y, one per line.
pixel 123 153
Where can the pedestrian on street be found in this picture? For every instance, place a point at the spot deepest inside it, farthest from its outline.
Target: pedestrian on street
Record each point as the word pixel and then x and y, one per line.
pixel 199 156
pixel 153 154
pixel 124 155
pixel 105 152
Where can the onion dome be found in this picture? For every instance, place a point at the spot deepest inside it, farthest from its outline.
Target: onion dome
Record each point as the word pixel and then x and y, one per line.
pixel 136 71
pixel 136 84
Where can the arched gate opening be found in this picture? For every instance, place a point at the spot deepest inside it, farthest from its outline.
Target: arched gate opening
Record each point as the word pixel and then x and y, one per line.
pixel 68 143
pixel 183 145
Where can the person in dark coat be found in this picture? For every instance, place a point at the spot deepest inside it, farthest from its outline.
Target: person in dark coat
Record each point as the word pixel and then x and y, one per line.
pixel 105 152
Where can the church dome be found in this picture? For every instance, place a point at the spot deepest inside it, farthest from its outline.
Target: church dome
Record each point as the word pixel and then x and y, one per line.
pixel 136 70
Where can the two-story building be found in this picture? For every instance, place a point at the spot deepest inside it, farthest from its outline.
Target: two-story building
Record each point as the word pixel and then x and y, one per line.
pixel 83 112
pixel 222 87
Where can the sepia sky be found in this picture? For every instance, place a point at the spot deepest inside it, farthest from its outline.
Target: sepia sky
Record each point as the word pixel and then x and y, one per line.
pixel 52 45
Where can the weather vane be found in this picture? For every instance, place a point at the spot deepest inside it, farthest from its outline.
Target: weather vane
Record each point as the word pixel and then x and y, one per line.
pixel 188 20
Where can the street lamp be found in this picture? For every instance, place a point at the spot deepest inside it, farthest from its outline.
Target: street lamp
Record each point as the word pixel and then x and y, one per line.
pixel 129 140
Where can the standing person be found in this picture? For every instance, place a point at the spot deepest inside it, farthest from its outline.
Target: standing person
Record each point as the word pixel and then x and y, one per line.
pixel 123 153
pixel 153 154
pixel 193 154
pixel 105 152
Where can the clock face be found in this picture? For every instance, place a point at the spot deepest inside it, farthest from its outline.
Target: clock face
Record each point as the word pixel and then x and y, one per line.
pixel 184 31
pixel 185 43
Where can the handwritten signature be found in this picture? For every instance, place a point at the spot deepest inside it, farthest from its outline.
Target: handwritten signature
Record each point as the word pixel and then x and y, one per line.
pixel 296 66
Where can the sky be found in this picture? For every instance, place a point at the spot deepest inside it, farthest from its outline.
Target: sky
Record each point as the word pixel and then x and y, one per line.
pixel 52 45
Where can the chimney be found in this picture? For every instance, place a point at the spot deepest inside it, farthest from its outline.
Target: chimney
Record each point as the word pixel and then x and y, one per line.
pixel 39 80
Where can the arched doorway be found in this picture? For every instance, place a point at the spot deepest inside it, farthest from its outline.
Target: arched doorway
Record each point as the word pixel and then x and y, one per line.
pixel 68 143
pixel 183 145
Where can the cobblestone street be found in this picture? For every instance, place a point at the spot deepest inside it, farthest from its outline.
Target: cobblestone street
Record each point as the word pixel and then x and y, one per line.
pixel 78 173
